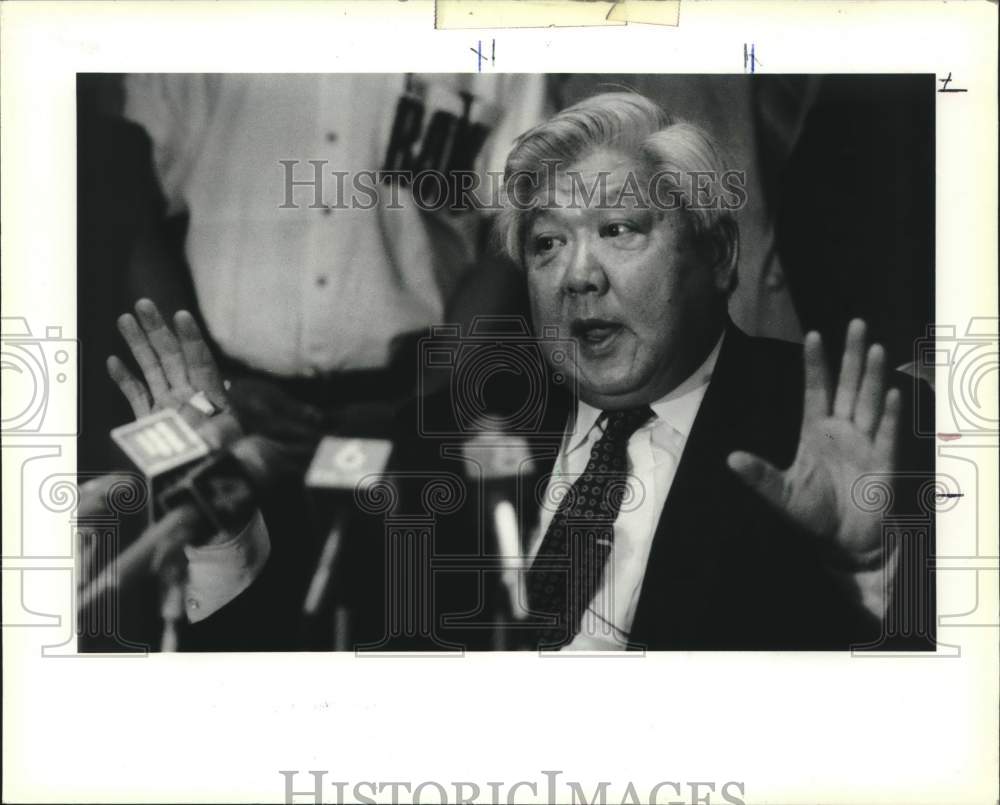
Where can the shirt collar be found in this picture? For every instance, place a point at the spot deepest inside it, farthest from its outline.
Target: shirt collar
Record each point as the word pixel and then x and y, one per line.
pixel 678 408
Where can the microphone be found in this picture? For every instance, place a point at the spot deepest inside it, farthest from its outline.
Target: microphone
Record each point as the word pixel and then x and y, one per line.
pixel 216 495
pixel 502 459
pixel 340 466
pixel 163 443
pixel 160 443
pixel 158 542
pixel 225 487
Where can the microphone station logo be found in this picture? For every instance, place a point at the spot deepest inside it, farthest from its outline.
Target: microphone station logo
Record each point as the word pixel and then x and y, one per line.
pixel 341 463
pixel 160 442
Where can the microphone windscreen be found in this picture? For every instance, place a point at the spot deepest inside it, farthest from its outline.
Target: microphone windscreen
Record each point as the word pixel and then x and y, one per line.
pixel 496 456
pixel 345 464
pixel 160 442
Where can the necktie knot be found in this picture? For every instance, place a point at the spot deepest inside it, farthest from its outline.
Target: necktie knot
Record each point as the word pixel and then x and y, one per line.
pixel 621 424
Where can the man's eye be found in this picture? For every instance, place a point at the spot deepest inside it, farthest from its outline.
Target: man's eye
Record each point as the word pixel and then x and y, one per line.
pixel 545 244
pixel 617 229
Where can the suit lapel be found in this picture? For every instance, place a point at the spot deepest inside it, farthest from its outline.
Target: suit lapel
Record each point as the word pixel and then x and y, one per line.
pixel 700 516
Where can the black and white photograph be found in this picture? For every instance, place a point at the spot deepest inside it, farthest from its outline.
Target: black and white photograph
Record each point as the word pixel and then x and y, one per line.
pixel 559 362
pixel 500 402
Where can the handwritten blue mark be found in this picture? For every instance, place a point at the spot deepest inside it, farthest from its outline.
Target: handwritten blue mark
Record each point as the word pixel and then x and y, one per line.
pixel 480 58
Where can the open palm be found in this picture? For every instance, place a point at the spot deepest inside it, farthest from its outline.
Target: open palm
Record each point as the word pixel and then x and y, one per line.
pixel 843 437
pixel 175 367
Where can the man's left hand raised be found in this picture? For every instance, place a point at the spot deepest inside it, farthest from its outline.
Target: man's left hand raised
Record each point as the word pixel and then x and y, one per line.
pixel 842 438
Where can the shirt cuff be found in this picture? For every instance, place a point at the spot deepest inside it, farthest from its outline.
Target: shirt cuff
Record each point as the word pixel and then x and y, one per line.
pixel 218 573
pixel 873 586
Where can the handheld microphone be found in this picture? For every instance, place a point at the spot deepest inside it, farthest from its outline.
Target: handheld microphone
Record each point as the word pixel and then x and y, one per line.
pixel 340 465
pixel 159 541
pixel 501 460
pixel 225 487
pixel 219 494
pixel 160 443
pixel 214 496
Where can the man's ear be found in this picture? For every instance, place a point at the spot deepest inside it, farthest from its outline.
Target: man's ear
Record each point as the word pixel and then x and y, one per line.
pixel 724 252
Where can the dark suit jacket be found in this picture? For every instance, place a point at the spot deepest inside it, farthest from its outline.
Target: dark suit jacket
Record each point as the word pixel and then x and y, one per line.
pixel 725 571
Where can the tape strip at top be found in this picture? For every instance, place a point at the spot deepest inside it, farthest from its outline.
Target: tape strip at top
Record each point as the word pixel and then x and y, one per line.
pixel 553 13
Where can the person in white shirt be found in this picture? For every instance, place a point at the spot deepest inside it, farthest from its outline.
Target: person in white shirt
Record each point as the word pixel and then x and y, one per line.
pixel 309 283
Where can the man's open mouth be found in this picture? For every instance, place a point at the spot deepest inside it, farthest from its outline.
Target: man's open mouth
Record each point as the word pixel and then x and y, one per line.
pixel 595 334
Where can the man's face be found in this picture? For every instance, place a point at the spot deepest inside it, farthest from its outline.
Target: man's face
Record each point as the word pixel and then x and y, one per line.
pixel 623 281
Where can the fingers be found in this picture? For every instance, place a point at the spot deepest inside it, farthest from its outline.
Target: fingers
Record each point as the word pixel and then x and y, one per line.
pixel 202 371
pixel 817 393
pixel 860 388
pixel 850 370
pixel 869 403
pixel 144 355
pixel 164 343
pixel 107 494
pixel 134 391
pixel 761 476
pixel 169 364
pixel 168 536
pixel 94 495
pixel 888 429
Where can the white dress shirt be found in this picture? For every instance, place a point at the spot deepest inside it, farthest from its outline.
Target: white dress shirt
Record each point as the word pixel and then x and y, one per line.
pixel 217 573
pixel 316 288
pixel 654 452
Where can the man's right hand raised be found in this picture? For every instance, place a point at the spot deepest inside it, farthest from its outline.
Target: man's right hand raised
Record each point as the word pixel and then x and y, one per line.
pixel 178 369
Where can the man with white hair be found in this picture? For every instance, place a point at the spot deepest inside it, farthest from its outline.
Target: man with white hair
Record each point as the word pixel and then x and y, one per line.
pixel 724 547
pixel 665 520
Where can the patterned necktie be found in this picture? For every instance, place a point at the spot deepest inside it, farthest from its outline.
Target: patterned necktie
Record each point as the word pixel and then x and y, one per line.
pixel 567 571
